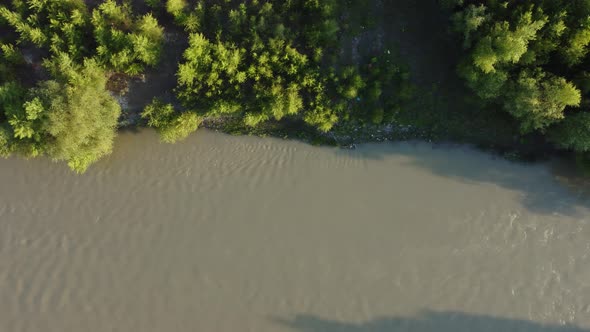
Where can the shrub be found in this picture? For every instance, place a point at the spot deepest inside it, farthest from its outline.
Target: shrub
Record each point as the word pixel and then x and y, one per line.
pixel 126 44
pixel 171 126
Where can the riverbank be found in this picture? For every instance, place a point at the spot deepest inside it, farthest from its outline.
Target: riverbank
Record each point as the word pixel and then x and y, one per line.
pixel 357 71
pixel 442 110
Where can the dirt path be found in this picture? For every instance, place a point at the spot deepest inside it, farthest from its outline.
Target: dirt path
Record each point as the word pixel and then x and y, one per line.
pixel 421 29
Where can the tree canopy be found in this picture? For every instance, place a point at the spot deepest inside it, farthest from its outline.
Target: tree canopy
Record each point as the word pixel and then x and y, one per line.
pixel 59 105
pixel 261 61
pixel 529 59
pixel 71 117
pixel 256 60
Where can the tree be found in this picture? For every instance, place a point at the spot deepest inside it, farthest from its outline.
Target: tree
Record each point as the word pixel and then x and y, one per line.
pixel 71 117
pixel 573 132
pixel 469 20
pixel 12 97
pixel 176 7
pixel 81 115
pixel 503 44
pixel 528 57
pixel 538 99
pixel 577 46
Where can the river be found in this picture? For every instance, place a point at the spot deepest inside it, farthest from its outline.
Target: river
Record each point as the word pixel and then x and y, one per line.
pixel 222 233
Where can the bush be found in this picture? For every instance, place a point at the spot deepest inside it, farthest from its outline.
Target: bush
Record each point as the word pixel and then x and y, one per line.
pixel 111 34
pixel 254 60
pixel 126 44
pixel 171 126
pixel 60 26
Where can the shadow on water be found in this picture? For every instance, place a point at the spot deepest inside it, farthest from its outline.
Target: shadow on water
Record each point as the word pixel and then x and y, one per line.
pixel 425 321
pixel 546 187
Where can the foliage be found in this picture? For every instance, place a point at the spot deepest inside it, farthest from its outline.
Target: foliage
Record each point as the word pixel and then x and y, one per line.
pixel 256 61
pixel 176 7
pixel 172 126
pixel 387 88
pixel 538 100
pixel 528 58
pixel 5 147
pixel 10 54
pixel 81 116
pixel 60 26
pixel 12 97
pixel 124 44
pixel 251 68
pixel 111 33
pixel 573 133
pixel 71 118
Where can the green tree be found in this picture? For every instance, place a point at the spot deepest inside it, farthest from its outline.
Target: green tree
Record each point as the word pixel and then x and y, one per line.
pixel 71 117
pixel 528 58
pixel 176 7
pixel 577 44
pixel 539 100
pixel 573 132
pixel 12 97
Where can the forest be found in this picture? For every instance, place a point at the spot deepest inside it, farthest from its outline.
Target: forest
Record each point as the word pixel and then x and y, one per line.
pixel 66 63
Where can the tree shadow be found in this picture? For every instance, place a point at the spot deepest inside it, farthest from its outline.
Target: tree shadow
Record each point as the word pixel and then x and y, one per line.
pixel 552 187
pixel 425 321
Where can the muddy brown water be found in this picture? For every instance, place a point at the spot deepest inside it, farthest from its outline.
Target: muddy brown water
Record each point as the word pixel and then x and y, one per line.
pixel 222 233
